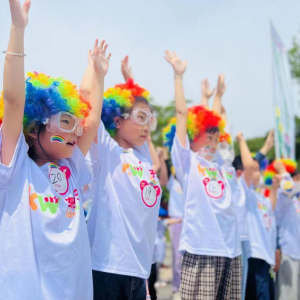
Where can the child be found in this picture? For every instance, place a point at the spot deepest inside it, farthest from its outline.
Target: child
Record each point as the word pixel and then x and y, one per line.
pixel 123 221
pixel 211 267
pixel 44 251
pixel 262 228
pixel 288 220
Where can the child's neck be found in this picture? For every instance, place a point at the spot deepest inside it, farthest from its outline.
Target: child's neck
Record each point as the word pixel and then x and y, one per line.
pixel 123 143
pixel 42 161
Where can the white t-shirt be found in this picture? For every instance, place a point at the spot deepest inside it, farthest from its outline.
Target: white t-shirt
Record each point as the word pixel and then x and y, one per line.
pixel 44 246
pixel 209 223
pixel 261 225
pixel 238 200
pixel 123 221
pixel 176 203
pixel 288 220
pixel 160 242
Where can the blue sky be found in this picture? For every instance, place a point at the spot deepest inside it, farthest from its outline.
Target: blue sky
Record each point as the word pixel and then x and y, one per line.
pixel 213 35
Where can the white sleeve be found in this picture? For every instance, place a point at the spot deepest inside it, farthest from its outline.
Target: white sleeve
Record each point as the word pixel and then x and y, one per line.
pixel 101 149
pixel 282 203
pixel 78 165
pixel 7 173
pixel 181 158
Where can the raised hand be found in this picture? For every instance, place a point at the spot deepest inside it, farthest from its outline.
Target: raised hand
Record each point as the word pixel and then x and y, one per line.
pixel 178 65
pixel 205 89
pixel 239 137
pixel 101 63
pixel 19 15
pixel 221 86
pixel 270 141
pixel 126 69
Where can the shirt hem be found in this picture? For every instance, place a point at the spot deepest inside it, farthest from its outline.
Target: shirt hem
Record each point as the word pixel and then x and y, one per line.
pixel 295 257
pixel 209 252
pixel 119 272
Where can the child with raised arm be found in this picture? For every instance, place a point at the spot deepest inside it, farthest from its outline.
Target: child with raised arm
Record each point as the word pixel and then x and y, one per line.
pixel 211 266
pixel 261 246
pixel 123 221
pixel 47 129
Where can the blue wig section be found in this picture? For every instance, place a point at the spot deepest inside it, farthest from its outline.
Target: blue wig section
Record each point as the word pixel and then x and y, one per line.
pixel 110 110
pixel 43 102
pixel 169 137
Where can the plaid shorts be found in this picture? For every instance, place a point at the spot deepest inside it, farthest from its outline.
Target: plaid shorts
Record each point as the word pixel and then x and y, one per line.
pixel 210 277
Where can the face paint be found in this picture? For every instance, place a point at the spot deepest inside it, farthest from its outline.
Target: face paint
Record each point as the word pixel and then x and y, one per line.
pixel 58 139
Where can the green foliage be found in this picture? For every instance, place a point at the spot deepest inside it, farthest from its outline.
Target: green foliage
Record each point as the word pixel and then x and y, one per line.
pixel 294 59
pixel 163 114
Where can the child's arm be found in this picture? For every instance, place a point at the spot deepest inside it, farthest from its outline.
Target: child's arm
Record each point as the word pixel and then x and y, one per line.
pixel 163 175
pixel 92 122
pixel 179 68
pixel 173 221
pixel 247 159
pixel 221 87
pixel 88 77
pixel 280 169
pixel 206 92
pixel 269 144
pixel 126 69
pixel 154 156
pixel 14 82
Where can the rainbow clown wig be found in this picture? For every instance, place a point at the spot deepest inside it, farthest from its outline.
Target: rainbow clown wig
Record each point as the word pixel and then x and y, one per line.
pixel 270 172
pixel 200 120
pixel 47 96
pixel 119 100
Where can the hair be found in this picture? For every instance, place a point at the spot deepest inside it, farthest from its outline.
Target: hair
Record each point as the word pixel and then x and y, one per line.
pixel 270 172
pixel 200 120
pixel 237 163
pixel 121 99
pixel 47 96
pixel 226 137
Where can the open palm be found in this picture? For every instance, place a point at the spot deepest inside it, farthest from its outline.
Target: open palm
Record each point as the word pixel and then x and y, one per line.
pixel 101 63
pixel 19 15
pixel 178 65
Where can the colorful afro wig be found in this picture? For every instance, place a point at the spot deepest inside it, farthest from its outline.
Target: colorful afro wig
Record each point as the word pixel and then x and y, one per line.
pixel 270 172
pixel 119 100
pixel 47 96
pixel 226 138
pixel 200 120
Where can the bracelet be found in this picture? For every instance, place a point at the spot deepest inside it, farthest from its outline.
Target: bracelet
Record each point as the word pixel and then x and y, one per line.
pixel 177 76
pixel 15 54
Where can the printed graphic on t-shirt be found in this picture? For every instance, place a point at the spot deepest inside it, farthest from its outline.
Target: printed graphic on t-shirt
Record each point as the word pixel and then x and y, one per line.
pixel 149 190
pixel 133 170
pixel 59 177
pixel 214 187
pixel 150 193
pixel 266 219
pixel 49 203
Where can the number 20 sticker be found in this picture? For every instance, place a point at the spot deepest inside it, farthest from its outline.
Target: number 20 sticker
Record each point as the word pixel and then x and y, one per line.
pixel 59 177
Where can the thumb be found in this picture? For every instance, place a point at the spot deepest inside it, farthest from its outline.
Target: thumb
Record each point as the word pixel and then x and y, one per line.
pixel 26 6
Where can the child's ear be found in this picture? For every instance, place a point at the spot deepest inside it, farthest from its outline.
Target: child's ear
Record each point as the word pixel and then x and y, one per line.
pixel 33 133
pixel 117 121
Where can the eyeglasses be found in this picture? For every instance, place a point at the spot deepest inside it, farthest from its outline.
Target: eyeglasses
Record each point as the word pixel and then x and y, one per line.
pixel 142 117
pixel 65 122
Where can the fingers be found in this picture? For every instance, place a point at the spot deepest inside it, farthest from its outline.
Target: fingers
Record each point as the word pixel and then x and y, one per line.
pixel 167 59
pixel 108 57
pixel 169 55
pixel 26 6
pixel 96 45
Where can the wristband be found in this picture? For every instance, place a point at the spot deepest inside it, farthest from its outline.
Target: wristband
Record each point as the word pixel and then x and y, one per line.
pixel 15 54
